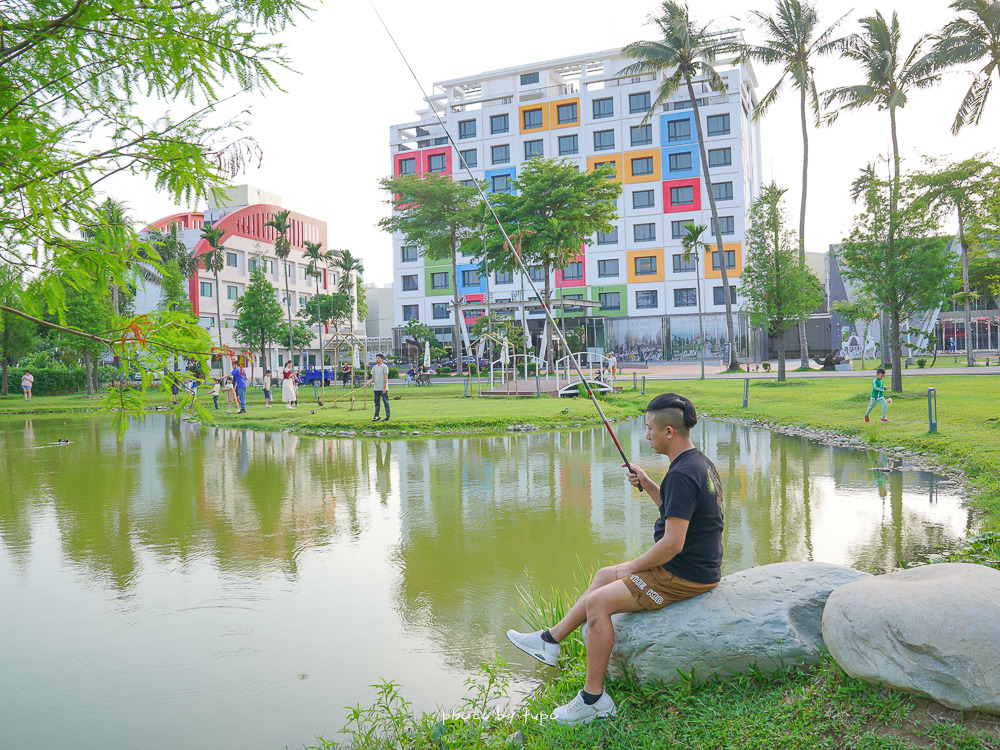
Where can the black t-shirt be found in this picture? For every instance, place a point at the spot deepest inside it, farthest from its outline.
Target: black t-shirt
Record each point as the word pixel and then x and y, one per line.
pixel 691 490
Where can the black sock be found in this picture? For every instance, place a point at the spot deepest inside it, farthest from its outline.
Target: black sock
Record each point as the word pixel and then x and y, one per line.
pixel 547 637
pixel 591 698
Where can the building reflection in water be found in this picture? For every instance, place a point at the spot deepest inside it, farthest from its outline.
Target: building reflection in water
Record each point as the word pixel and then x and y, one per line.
pixel 402 559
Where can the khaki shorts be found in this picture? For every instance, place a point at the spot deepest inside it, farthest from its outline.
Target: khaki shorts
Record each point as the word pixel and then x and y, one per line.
pixel 656 588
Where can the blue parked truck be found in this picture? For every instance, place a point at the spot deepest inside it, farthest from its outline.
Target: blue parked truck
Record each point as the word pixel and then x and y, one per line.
pixel 313 376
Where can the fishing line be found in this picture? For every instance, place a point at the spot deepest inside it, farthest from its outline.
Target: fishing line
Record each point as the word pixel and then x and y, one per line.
pixel 517 255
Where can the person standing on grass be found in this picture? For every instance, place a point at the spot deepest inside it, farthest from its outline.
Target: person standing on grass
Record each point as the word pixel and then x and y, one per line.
pixel 287 387
pixel 240 380
pixel 27 381
pixel 216 388
pixel 612 367
pixel 684 561
pixel 380 384
pixel 268 401
pixel 878 394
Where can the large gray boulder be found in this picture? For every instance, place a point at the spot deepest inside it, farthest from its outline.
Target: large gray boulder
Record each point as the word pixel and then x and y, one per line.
pixel 769 617
pixel 933 630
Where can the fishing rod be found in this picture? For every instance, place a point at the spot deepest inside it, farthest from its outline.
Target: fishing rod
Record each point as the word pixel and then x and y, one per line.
pixel 520 261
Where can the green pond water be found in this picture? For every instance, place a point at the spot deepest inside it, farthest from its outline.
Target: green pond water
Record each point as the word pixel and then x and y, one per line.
pixel 195 587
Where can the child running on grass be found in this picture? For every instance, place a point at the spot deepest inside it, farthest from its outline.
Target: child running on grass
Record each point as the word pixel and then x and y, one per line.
pixel 878 394
pixel 267 390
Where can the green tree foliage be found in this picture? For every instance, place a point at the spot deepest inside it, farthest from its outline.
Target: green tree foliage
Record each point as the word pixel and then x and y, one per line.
pixel 88 90
pixel 556 210
pixel 283 248
pixel 16 333
pixel 890 74
pixel 895 257
pixel 418 333
pixel 350 269
pixel 214 261
pixel 780 292
pixel 793 41
pixel 685 52
pixel 694 246
pixel 302 337
pixel 173 290
pixel 984 273
pixel 87 310
pixel 258 324
pixel 862 310
pixel 437 216
pixel 333 309
pixel 972 37
pixel 503 326
pixel 964 188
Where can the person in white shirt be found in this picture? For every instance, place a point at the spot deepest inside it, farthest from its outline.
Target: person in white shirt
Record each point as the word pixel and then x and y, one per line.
pixel 380 382
pixel 27 381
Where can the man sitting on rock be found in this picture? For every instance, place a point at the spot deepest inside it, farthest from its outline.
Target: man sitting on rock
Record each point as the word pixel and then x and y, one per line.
pixel 684 561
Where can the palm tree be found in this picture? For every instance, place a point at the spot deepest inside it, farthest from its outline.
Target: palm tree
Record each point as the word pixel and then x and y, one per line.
pixel 974 39
pixel 692 243
pixel 685 51
pixel 109 232
pixel 890 77
pixel 347 264
pixel 317 259
pixel 215 260
pixel 283 248
pixel 793 43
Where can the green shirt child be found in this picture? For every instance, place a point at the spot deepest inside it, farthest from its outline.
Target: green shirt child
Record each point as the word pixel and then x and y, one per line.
pixel 878 388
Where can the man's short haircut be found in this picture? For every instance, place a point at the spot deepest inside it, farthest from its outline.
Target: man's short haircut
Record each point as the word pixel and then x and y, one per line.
pixel 880 371
pixel 674 410
pixel 380 356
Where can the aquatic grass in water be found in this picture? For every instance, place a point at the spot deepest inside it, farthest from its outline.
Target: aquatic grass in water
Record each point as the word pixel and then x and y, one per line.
pixel 540 611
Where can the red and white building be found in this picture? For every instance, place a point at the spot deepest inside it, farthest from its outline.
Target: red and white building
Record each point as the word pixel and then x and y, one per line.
pixel 249 244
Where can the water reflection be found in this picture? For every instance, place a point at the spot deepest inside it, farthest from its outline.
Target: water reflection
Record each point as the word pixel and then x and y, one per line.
pixel 196 576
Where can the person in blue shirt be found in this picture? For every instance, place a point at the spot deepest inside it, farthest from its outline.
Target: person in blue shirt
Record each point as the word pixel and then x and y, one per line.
pixel 240 380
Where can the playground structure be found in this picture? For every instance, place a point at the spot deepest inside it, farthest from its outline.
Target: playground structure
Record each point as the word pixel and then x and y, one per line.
pixel 564 367
pixel 479 345
pixel 358 348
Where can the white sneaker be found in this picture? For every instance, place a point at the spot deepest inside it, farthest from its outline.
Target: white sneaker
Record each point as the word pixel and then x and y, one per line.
pixel 533 645
pixel 577 712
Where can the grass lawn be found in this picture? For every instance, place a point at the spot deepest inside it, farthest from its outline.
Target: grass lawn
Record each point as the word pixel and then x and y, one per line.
pixel 815 708
pixel 943 360
pixel 968 410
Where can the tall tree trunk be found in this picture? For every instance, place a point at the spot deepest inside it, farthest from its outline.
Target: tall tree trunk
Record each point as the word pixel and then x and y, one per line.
pixel 459 362
pixel 776 227
pixel 897 355
pixel 887 330
pixel 322 364
pixel 288 305
pixel 4 343
pixel 93 371
pixel 550 349
pixel 781 356
pixel 734 362
pixel 970 356
pixel 803 341
pixel 86 373
pixel 701 320
pixel 218 308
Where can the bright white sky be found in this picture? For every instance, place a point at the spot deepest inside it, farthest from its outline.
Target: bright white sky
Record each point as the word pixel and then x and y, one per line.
pixel 325 139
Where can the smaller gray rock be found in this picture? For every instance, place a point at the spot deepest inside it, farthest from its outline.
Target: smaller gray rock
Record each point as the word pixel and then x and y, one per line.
pixel 934 630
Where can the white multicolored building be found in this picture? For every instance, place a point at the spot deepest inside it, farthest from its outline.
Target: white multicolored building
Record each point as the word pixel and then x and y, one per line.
pixel 643 295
